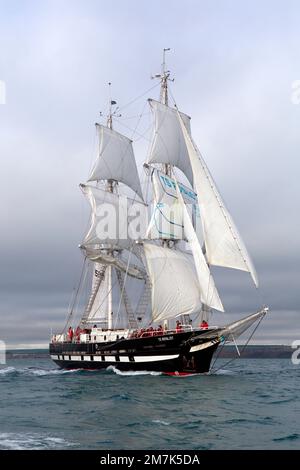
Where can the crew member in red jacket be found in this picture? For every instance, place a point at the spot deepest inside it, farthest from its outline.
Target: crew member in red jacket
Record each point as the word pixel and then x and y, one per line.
pixel 204 325
pixel 70 333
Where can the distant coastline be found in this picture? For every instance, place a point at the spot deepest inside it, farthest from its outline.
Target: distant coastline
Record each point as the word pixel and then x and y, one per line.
pixel 258 351
pixel 228 351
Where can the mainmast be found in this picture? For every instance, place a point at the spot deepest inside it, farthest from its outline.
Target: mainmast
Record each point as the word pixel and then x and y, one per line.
pixel 164 77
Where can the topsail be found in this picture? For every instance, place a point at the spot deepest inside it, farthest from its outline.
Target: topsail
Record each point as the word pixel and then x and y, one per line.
pixel 168 144
pixel 115 160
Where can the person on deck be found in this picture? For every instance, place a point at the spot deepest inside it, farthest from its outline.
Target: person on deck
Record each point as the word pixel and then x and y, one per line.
pixel 160 330
pixel 178 326
pixel 77 333
pixel 204 325
pixel 70 333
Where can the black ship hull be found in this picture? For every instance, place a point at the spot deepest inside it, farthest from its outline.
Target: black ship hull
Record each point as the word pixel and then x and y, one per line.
pixel 175 353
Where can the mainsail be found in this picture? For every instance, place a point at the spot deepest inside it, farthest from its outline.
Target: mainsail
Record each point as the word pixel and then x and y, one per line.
pixel 110 219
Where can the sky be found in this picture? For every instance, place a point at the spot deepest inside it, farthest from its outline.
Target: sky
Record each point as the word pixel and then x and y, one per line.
pixel 236 66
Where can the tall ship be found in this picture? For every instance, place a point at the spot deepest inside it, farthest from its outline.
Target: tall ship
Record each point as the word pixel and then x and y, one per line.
pixel 148 255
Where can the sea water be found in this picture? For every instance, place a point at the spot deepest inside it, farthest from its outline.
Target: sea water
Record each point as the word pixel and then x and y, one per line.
pixel 249 404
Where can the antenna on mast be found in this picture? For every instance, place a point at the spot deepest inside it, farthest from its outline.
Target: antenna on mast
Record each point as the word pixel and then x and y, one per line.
pixel 164 77
pixel 111 113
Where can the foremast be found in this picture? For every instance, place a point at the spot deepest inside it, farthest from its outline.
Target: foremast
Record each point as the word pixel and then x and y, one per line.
pixel 115 163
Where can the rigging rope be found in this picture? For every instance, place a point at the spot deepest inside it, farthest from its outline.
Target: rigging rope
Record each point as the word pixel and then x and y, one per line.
pixel 140 96
pixel 123 287
pixel 134 131
pixel 242 350
pixel 82 277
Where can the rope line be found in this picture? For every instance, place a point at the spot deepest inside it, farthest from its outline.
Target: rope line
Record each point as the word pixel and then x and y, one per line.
pixel 241 352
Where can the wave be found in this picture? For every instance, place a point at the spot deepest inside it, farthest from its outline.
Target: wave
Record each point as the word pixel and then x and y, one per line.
pixel 7 370
pixel 159 421
pixel 285 400
pixel 42 372
pixel 290 437
pixel 131 372
pixel 27 441
pixel 154 373
pixel 222 372
pixel 35 371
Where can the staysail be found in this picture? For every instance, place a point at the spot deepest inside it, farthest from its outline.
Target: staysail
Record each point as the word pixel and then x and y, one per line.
pixel 209 293
pixel 224 245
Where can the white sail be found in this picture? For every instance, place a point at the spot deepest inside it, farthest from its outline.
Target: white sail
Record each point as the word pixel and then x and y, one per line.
pixel 98 270
pixel 166 220
pixel 224 246
pixel 174 282
pixel 167 217
pixel 110 224
pixel 116 160
pixel 168 145
pixel 209 293
pixel 99 308
pixel 165 186
pixel 108 259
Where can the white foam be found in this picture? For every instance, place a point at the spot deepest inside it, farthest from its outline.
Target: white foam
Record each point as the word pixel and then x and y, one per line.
pixel 158 421
pixel 42 372
pixel 23 441
pixel 222 372
pixel 37 372
pixel 7 370
pixel 132 372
